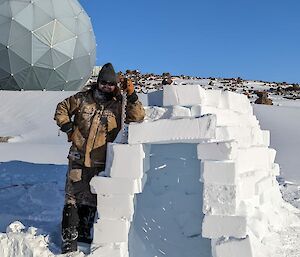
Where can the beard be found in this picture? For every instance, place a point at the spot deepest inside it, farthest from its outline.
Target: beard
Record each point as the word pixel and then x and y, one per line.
pixel 101 96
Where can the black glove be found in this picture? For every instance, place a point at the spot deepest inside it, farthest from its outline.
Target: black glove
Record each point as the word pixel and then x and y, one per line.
pixel 67 127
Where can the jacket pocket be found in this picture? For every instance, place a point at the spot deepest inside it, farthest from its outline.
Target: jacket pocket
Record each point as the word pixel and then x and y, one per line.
pixel 75 175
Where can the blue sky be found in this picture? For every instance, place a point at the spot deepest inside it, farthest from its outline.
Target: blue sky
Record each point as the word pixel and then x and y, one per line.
pixel 258 39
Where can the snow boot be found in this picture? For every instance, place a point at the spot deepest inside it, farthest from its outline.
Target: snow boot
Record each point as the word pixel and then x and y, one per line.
pixel 69 229
pixel 86 220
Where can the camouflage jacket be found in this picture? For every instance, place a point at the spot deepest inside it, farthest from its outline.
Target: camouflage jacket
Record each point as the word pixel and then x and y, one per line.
pixel 94 124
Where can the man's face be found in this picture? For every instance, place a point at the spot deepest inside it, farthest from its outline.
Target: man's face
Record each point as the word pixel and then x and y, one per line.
pixel 106 87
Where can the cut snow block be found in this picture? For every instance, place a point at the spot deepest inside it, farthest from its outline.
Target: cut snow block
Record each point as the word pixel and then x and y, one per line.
pixel 226 117
pixel 254 158
pixel 226 150
pixel 125 161
pixel 247 247
pixel 115 186
pixel 154 112
pixel 245 136
pixel 216 226
pixel 140 184
pixel 110 231
pixel 212 97
pixel 263 184
pixel 220 199
pixel 109 250
pixel 236 102
pixel 115 206
pixel 219 172
pixel 185 95
pixel 170 131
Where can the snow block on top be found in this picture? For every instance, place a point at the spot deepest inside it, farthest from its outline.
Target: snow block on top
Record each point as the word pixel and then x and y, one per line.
pixel 225 117
pixel 216 226
pixel 125 161
pixel 226 150
pixel 184 95
pixel 236 102
pixel 170 131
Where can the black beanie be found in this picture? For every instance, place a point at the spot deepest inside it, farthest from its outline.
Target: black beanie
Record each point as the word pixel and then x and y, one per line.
pixel 107 73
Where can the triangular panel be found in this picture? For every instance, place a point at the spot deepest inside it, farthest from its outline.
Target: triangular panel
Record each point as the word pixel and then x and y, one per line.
pixel 45 33
pixel 83 17
pixel 62 9
pixel 17 64
pixel 83 65
pixel 69 23
pixel 61 33
pixel 45 61
pixel 42 75
pixel 55 80
pixel 74 85
pixel 31 81
pixel 66 47
pixel 17 6
pixel 25 17
pixel 58 58
pixel 4 32
pixel 46 6
pixel 63 70
pixel 3 76
pixel 17 32
pixel 2 47
pixel 5 9
pixel 79 50
pixel 38 49
pixel 4 19
pixel 23 48
pixel 86 39
pixel 74 72
pixel 20 77
pixel 4 61
pixel 40 18
pixel 11 84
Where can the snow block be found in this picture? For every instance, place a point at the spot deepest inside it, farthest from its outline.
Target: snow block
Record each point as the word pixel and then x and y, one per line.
pixel 219 172
pixel 212 97
pixel 220 199
pixel 115 206
pixel 275 169
pixel 216 226
pixel 185 95
pixel 236 102
pixel 255 158
pixel 247 247
pixel 168 131
pixel 110 231
pixel 225 117
pixel 171 112
pixel 125 161
pixel 115 186
pixel 226 150
pixel 109 250
pixel 245 136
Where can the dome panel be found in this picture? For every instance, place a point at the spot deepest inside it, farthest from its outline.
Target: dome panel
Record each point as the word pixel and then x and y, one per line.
pixel 17 6
pixel 61 33
pixel 22 47
pixel 4 61
pixel 17 63
pixel 17 32
pixel 45 61
pixel 58 58
pixel 66 47
pixel 25 17
pixel 46 6
pixel 38 49
pixel 5 33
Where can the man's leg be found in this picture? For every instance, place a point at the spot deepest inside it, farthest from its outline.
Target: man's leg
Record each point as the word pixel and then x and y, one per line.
pixel 69 228
pixel 86 220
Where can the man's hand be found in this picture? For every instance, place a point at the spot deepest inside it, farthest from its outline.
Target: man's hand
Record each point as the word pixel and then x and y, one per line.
pixel 127 86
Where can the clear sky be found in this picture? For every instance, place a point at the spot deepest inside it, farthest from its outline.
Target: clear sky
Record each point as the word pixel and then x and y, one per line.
pixel 253 39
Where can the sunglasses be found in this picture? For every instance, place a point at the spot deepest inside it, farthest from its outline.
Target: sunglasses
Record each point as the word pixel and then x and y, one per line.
pixel 104 83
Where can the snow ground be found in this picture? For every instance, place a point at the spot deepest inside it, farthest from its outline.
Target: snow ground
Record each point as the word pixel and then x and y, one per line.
pixel 33 193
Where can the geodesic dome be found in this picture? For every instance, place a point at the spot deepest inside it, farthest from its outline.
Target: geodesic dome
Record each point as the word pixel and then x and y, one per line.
pixel 45 44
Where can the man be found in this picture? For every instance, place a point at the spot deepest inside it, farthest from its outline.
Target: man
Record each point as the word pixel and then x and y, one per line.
pixel 91 119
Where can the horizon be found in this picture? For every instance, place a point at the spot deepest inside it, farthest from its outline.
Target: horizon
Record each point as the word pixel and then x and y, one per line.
pixel 254 41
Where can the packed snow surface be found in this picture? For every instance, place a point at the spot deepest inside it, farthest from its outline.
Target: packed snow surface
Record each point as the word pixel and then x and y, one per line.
pixel 166 223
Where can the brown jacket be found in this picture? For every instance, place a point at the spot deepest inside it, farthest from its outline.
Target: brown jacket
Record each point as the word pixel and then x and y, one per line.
pixel 94 125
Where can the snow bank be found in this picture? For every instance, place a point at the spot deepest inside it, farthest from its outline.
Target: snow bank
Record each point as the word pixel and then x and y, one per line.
pixel 241 198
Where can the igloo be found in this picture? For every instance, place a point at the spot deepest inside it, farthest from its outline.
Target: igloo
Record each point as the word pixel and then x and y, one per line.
pixel 45 45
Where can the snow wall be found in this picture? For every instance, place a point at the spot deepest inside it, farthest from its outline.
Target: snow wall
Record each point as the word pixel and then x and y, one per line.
pixel 237 189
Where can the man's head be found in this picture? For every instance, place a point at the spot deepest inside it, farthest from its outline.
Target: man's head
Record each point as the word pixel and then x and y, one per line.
pixel 107 79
